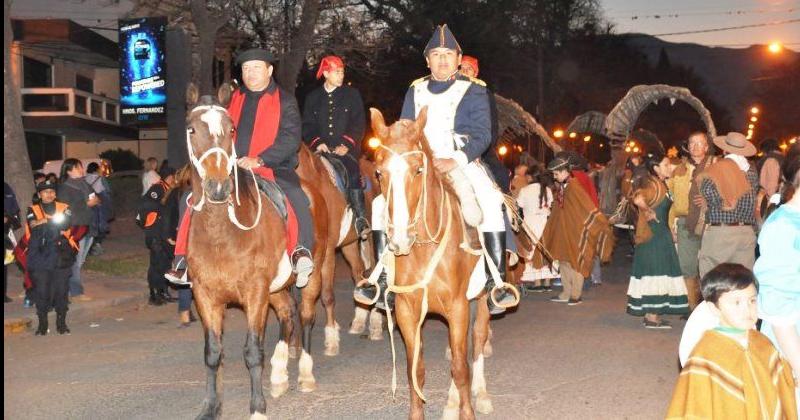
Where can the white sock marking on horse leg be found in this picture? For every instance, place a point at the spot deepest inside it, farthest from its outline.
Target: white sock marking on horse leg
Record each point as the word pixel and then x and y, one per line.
pixel 305 379
pixel 258 416
pixel 453 400
pixel 332 340
pixel 375 325
pixel 483 403
pixel 279 376
pixel 359 323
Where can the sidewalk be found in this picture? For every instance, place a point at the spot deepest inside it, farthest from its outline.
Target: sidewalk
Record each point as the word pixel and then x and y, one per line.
pixel 117 277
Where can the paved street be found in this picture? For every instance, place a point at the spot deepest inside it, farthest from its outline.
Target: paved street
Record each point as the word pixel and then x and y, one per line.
pixel 551 361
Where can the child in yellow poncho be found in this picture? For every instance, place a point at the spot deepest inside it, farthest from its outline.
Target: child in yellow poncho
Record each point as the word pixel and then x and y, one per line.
pixel 734 371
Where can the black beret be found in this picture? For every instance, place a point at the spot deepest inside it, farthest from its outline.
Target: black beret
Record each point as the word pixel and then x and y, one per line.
pixel 166 171
pixel 255 54
pixel 46 185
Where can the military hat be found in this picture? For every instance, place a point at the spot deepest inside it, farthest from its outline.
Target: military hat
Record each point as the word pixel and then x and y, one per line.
pixel 255 54
pixel 442 38
pixel 46 185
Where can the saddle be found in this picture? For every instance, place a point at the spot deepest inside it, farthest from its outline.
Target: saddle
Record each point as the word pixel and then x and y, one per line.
pixel 275 195
pixel 337 172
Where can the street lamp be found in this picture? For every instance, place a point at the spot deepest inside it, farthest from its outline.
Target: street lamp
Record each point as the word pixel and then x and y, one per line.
pixel 587 139
pixel 754 110
pixel 573 135
pixel 753 118
pixel 374 143
pixel 558 133
pixel 502 150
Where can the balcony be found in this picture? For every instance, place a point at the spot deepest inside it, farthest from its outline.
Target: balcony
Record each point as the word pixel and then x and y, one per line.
pixel 73 113
pixel 69 102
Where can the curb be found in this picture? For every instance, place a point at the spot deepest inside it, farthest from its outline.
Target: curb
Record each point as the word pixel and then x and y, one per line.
pixel 22 324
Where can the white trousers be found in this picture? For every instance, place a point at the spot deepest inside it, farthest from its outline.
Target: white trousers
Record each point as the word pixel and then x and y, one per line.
pixel 490 200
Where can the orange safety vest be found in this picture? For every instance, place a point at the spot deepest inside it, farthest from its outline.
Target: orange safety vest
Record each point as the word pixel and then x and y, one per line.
pixel 38 211
pixel 152 217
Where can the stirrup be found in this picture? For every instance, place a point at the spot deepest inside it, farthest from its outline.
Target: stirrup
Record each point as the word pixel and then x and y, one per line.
pixel 363 233
pixel 302 265
pixel 363 299
pixel 514 293
pixel 183 280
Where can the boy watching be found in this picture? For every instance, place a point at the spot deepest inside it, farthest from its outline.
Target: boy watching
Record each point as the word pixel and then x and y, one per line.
pixel 734 371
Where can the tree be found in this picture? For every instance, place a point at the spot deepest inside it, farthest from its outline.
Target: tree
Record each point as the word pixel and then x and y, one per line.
pixel 207 23
pixel 17 170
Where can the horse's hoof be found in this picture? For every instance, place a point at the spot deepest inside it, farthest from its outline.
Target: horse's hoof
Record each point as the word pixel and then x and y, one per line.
pixel 276 390
pixel 307 385
pixel 210 411
pixel 258 416
pixel 357 328
pixel 332 340
pixel 487 350
pixel 376 335
pixel 332 350
pixel 450 413
pixel 484 405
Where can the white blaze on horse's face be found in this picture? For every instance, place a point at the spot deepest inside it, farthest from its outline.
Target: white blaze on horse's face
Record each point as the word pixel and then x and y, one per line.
pixel 399 239
pixel 213 119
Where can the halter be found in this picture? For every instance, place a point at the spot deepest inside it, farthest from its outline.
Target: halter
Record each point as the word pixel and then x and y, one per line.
pixel 230 167
pixel 422 204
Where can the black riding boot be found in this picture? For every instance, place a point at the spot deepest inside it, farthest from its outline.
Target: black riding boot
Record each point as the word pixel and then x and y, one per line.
pixel 368 291
pixel 61 323
pixel 495 243
pixel 165 296
pixel 155 298
pixel 41 329
pixel 356 198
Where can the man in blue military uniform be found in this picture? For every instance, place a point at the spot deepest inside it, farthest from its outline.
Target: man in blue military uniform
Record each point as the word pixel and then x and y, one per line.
pixel 459 130
pixel 333 124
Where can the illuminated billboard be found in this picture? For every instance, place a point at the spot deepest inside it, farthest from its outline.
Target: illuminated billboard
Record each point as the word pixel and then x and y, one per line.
pixel 142 71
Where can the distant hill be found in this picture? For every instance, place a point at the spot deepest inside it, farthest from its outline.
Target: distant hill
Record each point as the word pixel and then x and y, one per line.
pixel 728 72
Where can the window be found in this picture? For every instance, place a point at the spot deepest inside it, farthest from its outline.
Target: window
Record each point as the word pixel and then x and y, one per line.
pixel 36 74
pixel 83 83
pixel 42 147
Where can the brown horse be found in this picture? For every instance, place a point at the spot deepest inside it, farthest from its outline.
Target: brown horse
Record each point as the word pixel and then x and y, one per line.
pixel 236 251
pixel 429 266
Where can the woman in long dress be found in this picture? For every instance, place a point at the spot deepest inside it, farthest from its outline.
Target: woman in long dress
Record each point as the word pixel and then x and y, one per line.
pixel 535 199
pixel 656 285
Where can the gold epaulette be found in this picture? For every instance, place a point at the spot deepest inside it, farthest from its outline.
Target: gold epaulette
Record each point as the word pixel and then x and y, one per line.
pixel 477 81
pixel 420 80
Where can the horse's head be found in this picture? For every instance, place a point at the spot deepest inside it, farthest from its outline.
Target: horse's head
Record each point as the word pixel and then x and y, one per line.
pixel 210 132
pixel 402 164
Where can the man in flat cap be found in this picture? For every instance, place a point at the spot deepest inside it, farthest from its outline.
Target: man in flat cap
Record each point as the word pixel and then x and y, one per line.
pixel 459 130
pixel 268 133
pixel 333 125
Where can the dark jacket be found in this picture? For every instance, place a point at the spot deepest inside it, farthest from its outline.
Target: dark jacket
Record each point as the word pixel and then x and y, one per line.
pixel 152 203
pixel 75 192
pixel 473 115
pixel 47 247
pixel 283 152
pixel 10 208
pixel 334 118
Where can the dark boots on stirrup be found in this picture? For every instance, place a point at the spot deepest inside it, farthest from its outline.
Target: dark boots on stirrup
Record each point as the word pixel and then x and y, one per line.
pixel 41 329
pixel 61 323
pixel 155 298
pixel 166 296
pixel 495 243
pixel 356 198
pixel 368 291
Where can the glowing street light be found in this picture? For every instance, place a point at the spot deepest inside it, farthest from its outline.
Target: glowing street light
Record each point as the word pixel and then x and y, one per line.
pixel 573 135
pixel 502 150
pixel 754 110
pixel 753 119
pixel 751 126
pixel 775 47
pixel 587 139
pixel 558 133
pixel 793 140
pixel 636 149
pixel 631 143
pixel 374 143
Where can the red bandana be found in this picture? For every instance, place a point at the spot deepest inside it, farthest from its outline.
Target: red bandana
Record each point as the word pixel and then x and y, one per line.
pixel 329 63
pixel 268 117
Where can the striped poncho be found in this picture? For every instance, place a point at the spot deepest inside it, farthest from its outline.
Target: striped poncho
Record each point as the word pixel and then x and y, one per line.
pixel 724 380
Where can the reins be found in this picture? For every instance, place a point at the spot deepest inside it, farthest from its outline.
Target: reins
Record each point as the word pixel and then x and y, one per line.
pixel 231 167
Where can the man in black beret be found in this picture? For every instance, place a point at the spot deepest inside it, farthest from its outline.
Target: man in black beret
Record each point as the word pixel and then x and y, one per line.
pixel 333 124
pixel 268 135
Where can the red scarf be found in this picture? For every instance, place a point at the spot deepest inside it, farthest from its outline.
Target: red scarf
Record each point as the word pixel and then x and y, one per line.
pixel 268 117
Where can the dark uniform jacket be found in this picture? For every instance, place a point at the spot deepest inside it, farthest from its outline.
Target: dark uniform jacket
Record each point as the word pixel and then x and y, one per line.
pixel 48 248
pixel 473 115
pixel 75 192
pixel 334 118
pixel 157 225
pixel 283 152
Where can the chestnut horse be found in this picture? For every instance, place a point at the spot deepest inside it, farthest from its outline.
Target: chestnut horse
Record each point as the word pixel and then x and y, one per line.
pixel 428 268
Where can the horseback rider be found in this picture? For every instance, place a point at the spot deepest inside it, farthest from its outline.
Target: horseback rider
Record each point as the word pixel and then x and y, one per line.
pixel 459 130
pixel 267 143
pixel 333 125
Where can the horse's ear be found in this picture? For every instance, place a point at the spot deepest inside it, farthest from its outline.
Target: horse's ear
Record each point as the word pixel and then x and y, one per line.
pixel 192 94
pixel 224 94
pixel 422 118
pixel 378 124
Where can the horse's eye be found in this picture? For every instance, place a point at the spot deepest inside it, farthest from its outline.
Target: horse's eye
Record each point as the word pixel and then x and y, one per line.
pixel 378 175
pixel 191 130
pixel 419 170
pixel 233 130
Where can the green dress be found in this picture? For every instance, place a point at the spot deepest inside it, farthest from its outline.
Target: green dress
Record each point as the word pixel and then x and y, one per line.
pixel 656 284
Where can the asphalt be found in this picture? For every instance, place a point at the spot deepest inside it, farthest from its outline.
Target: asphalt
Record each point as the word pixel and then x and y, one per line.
pixel 127 359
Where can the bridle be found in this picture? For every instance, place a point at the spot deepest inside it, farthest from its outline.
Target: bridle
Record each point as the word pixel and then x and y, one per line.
pixel 230 166
pixel 422 203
